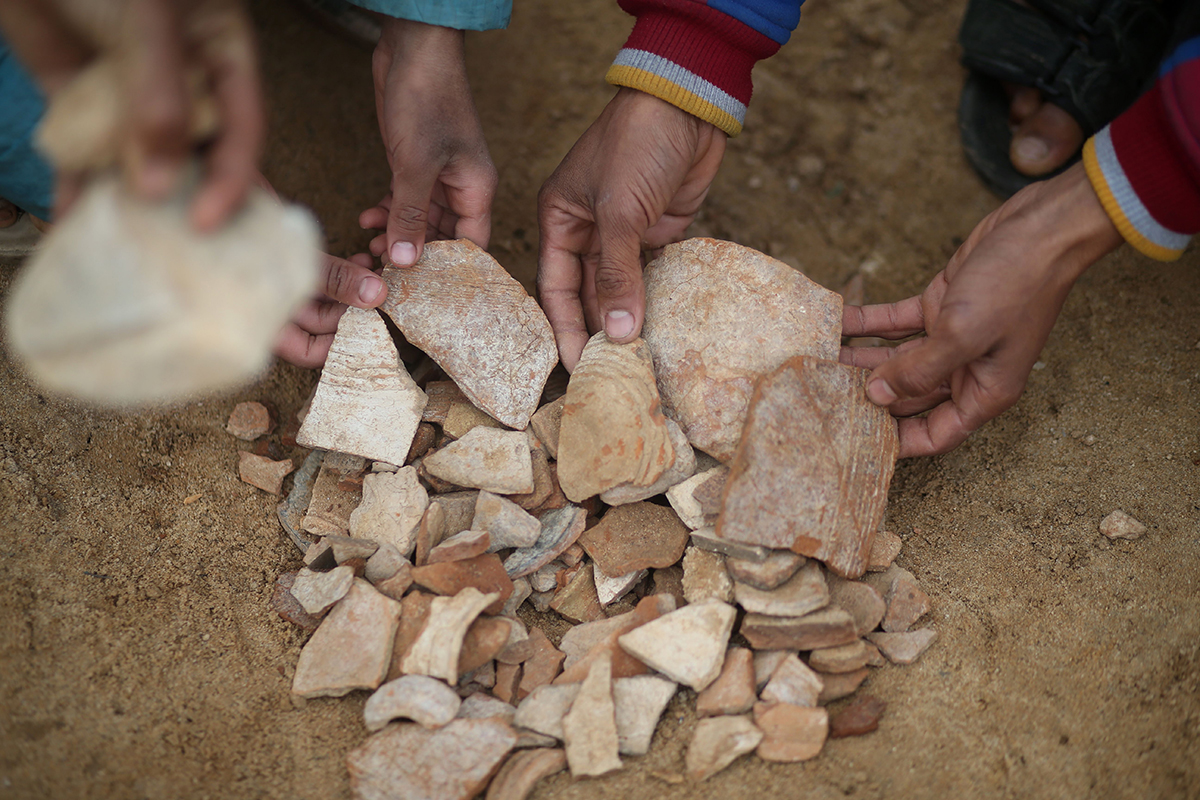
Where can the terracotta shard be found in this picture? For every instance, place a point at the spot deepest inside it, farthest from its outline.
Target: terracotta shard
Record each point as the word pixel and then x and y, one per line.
pixel 812 472
pixel 804 592
pixel 417 697
pixel 828 627
pixel 350 649
pixel 683 468
pixel 635 536
pixel 590 727
pixel 857 718
pixel 263 473
pixel 717 742
pixel 249 420
pixel 613 432
pixel 486 458
pixel 688 645
pixel 791 733
pixel 414 614
pixel 560 529
pixel 639 701
pixel 366 403
pixel 472 318
pixel 543 664
pixel 719 315
pixel 484 572
pixel 392 506
pixel 906 647
pixel 583 644
pixel 436 649
pixel 841 684
pixel 518 776
pixel 732 692
pixel 546 423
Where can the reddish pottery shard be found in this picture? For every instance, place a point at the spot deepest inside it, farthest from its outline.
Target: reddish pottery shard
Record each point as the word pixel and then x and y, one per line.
pixel 635 536
pixel 859 717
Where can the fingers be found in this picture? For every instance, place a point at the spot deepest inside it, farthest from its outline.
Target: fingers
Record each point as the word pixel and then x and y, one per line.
pixel 412 186
pixel 352 282
pixel 887 321
pixel 297 346
pixel 620 293
pixel 560 278
pixel 920 371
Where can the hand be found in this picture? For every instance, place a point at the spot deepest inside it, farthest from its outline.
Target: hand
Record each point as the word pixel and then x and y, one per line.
pixel 443 180
pixel 159 47
pixel 306 339
pixel 633 181
pixel 986 315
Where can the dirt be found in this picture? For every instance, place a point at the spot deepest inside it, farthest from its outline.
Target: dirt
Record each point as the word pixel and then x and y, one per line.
pixel 139 657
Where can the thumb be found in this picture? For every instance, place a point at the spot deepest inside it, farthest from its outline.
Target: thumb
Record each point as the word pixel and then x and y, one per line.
pixel 620 293
pixel 408 217
pixel 917 372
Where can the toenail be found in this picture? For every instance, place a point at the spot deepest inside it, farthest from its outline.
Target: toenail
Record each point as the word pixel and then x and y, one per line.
pixel 1031 148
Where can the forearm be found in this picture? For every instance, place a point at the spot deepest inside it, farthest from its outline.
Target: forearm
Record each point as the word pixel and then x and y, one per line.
pixel 480 15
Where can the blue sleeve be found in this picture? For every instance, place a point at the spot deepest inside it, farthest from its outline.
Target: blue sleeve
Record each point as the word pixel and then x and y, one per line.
pixel 26 179
pixel 774 18
pixel 463 15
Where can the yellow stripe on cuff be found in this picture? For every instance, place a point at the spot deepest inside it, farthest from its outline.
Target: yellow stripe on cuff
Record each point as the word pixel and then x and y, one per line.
pixel 663 89
pixel 1132 235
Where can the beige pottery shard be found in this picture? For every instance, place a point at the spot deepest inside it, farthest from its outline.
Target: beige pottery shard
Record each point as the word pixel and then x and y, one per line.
pixel 719 315
pixel 613 431
pixel 366 403
pixel 813 469
pixel 126 304
pixel 477 322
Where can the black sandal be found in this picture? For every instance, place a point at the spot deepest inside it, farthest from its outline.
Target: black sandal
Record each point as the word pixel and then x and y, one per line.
pixel 1092 58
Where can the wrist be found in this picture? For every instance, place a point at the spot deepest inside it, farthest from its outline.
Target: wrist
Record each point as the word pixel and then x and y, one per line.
pixel 410 37
pixel 1072 224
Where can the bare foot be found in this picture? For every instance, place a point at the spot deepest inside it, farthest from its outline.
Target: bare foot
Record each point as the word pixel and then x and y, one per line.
pixel 8 213
pixel 1045 135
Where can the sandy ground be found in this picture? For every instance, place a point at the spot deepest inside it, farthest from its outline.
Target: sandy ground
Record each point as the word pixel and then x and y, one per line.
pixel 139 657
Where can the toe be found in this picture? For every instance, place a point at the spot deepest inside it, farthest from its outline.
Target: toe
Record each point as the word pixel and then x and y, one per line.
pixel 1024 101
pixel 8 213
pixel 1044 141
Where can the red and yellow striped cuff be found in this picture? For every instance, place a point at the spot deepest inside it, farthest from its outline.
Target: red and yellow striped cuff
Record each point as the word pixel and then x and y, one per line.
pixel 677 94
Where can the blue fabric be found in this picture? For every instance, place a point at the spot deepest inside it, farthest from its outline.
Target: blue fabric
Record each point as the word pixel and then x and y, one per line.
pixel 1185 52
pixel 462 15
pixel 26 179
pixel 775 19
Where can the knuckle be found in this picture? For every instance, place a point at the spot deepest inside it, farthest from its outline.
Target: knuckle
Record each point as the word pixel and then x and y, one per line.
pixel 612 281
pixel 337 280
pixel 411 217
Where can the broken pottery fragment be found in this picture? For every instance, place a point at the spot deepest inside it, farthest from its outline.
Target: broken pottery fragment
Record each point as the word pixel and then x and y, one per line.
pixel 683 468
pixel 544 708
pixel 707 539
pixel 669 581
pixel 463 417
pixel 417 697
pixel 577 601
pixel 125 303
pixel 477 322
pixel 521 592
pixel 590 727
pixel 708 493
pixel 687 645
pixel 906 603
pixel 415 608
pixel 717 742
pixel 384 563
pixel 793 682
pixel 546 424
pixel 613 432
pixel 366 403
pixel 719 315
pixel 906 647
pixel 639 702
pixel 545 486
pixel 841 684
pixel 508 677
pixel 347 548
pixel 765 575
pixel 422 442
pixel 396 585
pixel 248 421
pixel 486 458
pixel 635 536
pixel 812 471
pixel 292 510
pixel 392 506
pixel 484 572
pixel 263 473
pixel 682 498
pixel 583 644
pixel 453 762
pixel 734 691
pixel 350 649
pixel 543 665
pixel 486 637
pixel 317 591
pixel 461 546
pixel 518 776
pixel 791 733
pixel 1119 525
pixel 442 395
pixel 843 658
pixel 288 607
pixel 508 524
pixel 335 494
pixel 436 650
pixel 705 577
pixel 860 600
pixel 609 590
pixel 765 663
pixel 884 549
pixel 560 529
pixel 828 627
pixel 859 717
pixel 804 592
pixel 482 706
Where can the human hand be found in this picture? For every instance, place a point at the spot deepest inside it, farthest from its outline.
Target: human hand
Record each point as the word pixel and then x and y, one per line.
pixel 306 339
pixel 986 316
pixel 166 53
pixel 633 181
pixel 443 180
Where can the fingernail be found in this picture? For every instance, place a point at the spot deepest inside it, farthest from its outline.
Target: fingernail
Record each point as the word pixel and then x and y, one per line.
pixel 403 254
pixel 618 324
pixel 880 393
pixel 1032 148
pixel 371 290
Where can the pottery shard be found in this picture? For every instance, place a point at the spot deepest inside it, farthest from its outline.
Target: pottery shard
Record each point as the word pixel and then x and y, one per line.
pixel 484 572
pixel 545 492
pixel 683 468
pixel 544 708
pixel 688 645
pixel 590 727
pixel 385 563
pixel 841 684
pixel 765 663
pixel 639 702
pixel 706 539
pixel 717 742
pixel 635 536
pixel 884 549
pixel 812 472
pixel 520 774
pixel 317 591
pixel 733 692
pixel 609 590
pixel 416 697
pixel 486 637
pixel 366 403
pixel 288 607
pixel 391 509
pixel 463 417
pixel 1119 525
pixel 828 627
pixel 483 706
pixel 766 575
pixel 793 682
pixel 542 666
pixel 613 432
pixel 577 601
pixel 705 577
pixel 335 495
pixel 546 424
pixel 442 395
pixel 560 529
pixel 843 658
pixel 719 315
pixel 508 524
pixel 414 614
pixel 453 762
pixel 583 644
pixel 263 473
pixel 248 421
pixel 351 648
pixel 436 650
pixel 906 647
pixel 682 497
pixel 857 718
pixel 486 458
pixel 460 546
pixel 791 733
pixel 804 592
pixel 906 603
pixel 860 600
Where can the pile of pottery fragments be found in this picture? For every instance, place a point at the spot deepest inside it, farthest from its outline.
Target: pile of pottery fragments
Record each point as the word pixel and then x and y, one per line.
pixel 722 474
